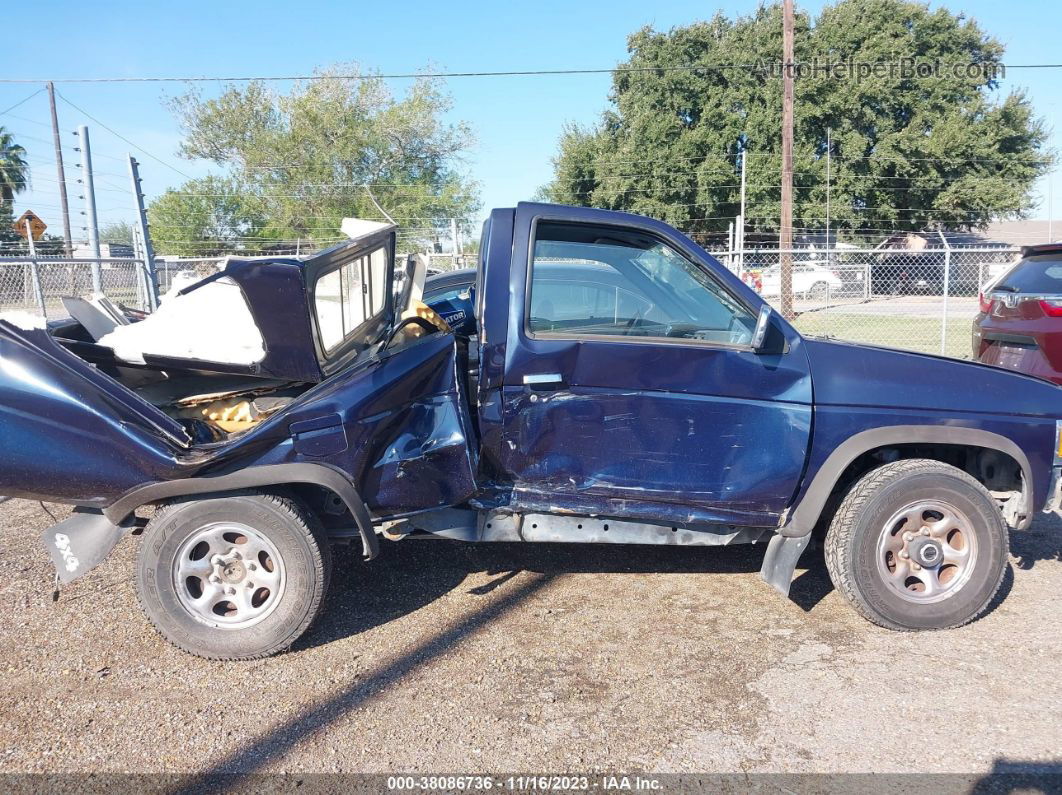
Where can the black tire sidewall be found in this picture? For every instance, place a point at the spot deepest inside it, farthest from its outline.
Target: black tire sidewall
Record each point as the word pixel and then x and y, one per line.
pixel 973 596
pixel 303 579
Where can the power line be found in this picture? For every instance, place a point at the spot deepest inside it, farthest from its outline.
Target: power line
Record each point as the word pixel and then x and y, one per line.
pixel 27 99
pixel 759 67
pixel 122 137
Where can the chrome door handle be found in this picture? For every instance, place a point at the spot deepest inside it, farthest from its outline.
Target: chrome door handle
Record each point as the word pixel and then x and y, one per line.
pixel 540 379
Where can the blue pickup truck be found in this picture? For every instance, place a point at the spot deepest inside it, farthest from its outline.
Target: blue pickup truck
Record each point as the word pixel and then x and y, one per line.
pixel 599 378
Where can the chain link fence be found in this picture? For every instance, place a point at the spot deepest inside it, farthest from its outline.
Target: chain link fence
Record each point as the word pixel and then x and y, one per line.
pixel 38 285
pixel 443 263
pixel 184 270
pixel 919 299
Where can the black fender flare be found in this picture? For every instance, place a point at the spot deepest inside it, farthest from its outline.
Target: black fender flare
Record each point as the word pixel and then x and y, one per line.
pixel 804 516
pixel 318 474
pixel 785 548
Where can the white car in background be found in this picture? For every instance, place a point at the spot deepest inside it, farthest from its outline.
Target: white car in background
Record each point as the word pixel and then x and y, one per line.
pixel 810 280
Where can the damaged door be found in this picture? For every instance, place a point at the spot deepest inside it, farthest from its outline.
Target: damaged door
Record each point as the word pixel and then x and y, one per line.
pixel 631 387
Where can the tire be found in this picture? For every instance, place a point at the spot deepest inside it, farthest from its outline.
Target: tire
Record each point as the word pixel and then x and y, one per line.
pixel 871 524
pixel 187 543
pixel 818 291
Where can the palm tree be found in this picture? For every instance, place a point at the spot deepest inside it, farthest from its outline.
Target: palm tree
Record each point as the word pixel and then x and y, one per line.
pixel 14 171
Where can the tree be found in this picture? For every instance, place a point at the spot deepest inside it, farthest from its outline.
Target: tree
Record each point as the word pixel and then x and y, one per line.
pixel 117 232
pixel 207 217
pixel 14 170
pixel 14 178
pixel 333 147
pixel 908 151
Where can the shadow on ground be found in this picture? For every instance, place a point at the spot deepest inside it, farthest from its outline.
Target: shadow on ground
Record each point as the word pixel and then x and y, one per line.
pixel 413 573
pixel 1041 542
pixel 1013 775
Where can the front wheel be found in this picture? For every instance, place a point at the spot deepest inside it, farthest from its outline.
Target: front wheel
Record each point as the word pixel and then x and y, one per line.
pixel 234 577
pixel 917 544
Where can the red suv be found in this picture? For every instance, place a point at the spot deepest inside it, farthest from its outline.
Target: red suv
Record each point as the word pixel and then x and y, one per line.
pixel 1020 323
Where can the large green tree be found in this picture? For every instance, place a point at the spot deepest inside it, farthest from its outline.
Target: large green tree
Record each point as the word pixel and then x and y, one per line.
pixel 908 151
pixel 208 217
pixel 297 163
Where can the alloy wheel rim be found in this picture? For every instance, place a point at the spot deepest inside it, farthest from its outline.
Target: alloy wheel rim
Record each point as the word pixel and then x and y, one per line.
pixel 927 551
pixel 228 575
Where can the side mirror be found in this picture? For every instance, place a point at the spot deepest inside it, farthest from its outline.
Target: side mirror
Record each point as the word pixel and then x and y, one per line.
pixel 763 323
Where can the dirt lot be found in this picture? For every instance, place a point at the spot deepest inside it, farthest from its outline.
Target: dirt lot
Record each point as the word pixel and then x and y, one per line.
pixel 442 657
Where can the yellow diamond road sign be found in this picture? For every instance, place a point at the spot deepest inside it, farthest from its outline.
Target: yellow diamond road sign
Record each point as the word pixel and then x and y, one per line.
pixel 36 225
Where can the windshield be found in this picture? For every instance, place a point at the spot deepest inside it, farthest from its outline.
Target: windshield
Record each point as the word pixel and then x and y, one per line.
pixel 697 295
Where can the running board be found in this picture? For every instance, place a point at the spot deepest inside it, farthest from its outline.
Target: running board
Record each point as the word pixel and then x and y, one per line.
pixel 468 525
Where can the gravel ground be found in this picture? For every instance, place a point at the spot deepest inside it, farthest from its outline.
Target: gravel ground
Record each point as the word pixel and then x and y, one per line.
pixel 444 657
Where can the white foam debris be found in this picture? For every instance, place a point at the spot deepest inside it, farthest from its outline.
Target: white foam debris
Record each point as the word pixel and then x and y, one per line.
pixel 357 228
pixel 24 320
pixel 211 323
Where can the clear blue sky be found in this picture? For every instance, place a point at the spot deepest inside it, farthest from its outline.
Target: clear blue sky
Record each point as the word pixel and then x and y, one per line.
pixel 516 119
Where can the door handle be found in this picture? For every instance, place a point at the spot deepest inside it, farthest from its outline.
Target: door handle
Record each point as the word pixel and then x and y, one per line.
pixel 543 379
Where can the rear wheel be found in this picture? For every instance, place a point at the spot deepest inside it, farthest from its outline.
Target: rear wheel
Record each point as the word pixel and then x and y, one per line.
pixel 234 577
pixel 917 544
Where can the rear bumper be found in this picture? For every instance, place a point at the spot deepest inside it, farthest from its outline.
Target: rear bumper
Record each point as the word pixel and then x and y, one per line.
pixel 1024 358
pixel 1010 349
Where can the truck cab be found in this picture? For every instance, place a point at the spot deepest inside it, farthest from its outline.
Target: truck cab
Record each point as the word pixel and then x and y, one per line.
pixel 599 378
pixel 619 378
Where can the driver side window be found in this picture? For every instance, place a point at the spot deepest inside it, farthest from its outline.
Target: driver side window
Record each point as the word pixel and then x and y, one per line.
pixel 607 281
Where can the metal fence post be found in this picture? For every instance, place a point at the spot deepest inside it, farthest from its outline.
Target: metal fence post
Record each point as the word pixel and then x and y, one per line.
pixel 38 290
pixel 145 235
pixel 947 289
pixel 35 277
pixel 90 205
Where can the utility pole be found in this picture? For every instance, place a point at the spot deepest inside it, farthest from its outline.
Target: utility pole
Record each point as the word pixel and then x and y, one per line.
pixel 90 205
pixel 741 218
pixel 145 238
pixel 69 243
pixel 785 239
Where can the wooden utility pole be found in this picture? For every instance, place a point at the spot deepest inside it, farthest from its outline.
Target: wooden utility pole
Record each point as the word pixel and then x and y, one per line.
pixel 62 173
pixel 785 237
